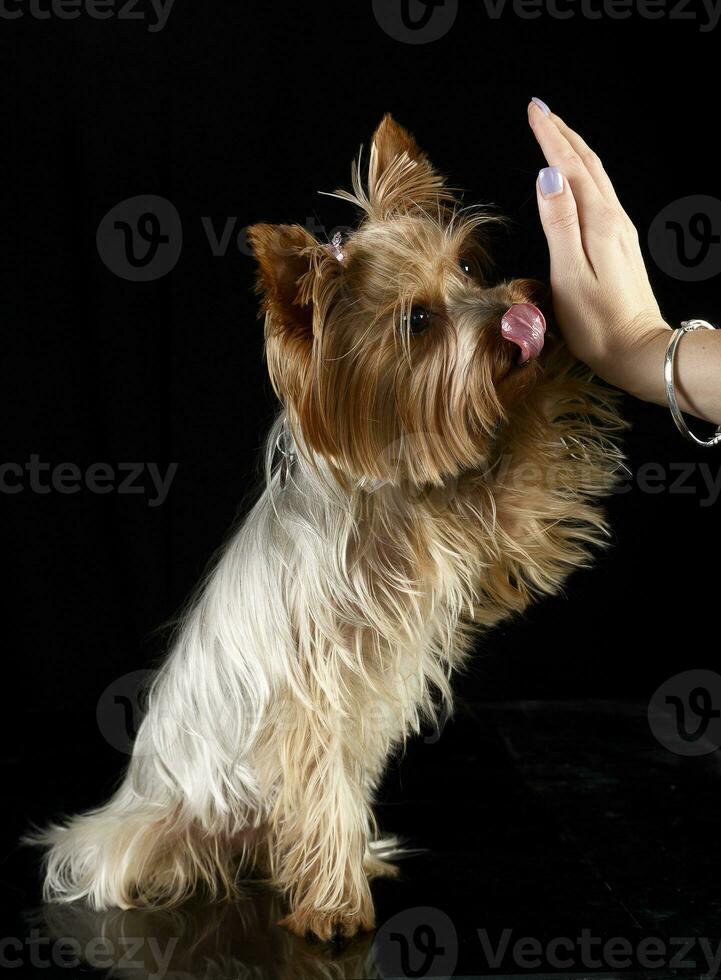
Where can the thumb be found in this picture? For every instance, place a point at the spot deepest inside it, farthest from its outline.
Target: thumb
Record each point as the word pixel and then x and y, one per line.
pixel 559 215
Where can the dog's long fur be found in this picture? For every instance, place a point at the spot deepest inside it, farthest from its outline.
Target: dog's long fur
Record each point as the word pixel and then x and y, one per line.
pixel 434 488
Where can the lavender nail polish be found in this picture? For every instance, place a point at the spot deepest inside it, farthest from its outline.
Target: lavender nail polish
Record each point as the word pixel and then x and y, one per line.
pixel 550 180
pixel 541 105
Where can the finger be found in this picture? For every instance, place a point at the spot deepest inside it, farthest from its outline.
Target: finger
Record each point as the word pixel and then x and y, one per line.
pixel 559 216
pixel 625 235
pixel 591 160
pixel 560 153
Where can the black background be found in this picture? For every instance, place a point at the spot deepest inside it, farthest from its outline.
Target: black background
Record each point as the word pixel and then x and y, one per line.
pixel 246 111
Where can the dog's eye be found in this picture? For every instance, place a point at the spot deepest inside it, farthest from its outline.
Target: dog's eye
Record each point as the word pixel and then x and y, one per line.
pixel 466 265
pixel 418 320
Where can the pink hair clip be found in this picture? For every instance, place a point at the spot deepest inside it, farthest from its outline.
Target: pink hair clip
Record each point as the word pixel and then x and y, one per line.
pixel 336 246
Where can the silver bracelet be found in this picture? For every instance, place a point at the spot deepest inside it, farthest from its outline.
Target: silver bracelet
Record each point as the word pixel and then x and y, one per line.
pixel 668 374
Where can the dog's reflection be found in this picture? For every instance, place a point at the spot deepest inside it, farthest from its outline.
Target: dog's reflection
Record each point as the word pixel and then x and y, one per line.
pixel 238 941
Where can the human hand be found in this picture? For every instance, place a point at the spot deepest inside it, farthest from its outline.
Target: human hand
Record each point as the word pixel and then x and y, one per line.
pixel 602 298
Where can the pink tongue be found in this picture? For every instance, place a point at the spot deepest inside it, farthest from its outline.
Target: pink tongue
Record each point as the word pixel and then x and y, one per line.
pixel 525 325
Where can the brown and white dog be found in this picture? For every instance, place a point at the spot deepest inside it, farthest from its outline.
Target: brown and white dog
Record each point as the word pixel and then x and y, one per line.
pixel 434 468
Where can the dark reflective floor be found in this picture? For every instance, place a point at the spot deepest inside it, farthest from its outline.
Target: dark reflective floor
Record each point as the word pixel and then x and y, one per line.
pixel 562 840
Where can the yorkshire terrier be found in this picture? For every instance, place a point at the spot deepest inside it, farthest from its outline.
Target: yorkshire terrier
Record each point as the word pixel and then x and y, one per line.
pixel 438 463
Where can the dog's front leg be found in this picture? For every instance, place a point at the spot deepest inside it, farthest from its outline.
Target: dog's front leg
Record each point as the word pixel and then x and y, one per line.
pixel 320 831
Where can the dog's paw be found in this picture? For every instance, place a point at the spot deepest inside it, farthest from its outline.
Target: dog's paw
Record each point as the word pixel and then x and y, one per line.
pixel 328 927
pixel 375 868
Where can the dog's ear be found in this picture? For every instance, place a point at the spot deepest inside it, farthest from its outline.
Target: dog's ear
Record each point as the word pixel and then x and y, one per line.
pixel 391 140
pixel 285 255
pixel 298 278
pixel 401 178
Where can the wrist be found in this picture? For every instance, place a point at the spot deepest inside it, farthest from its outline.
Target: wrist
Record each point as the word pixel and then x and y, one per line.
pixel 636 365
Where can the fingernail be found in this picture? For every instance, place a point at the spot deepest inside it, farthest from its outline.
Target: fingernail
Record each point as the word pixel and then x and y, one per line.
pixel 541 105
pixel 550 180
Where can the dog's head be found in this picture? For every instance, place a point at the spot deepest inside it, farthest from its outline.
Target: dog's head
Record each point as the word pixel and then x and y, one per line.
pixel 390 350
